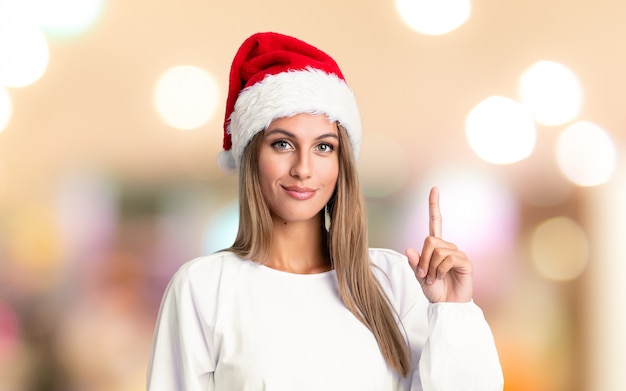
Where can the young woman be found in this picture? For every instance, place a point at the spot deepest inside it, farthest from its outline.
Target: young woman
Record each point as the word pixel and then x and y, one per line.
pixel 299 301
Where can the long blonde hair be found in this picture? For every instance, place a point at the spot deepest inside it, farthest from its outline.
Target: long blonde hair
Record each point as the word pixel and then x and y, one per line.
pixel 347 247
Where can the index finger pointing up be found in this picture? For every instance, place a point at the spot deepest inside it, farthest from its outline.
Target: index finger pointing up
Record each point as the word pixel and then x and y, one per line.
pixel 434 224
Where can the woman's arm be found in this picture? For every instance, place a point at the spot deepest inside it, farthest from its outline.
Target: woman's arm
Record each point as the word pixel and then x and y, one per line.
pixel 460 352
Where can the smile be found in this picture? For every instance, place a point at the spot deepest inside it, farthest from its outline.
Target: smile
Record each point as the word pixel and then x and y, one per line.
pixel 299 193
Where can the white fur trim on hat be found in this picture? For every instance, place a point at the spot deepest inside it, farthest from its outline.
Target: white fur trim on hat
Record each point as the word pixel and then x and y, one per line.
pixel 290 93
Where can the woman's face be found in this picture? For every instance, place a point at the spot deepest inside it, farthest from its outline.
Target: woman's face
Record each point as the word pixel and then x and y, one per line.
pixel 298 166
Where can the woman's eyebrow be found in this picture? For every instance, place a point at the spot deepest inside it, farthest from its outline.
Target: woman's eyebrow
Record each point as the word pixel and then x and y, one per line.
pixel 279 130
pixel 326 135
pixel 289 134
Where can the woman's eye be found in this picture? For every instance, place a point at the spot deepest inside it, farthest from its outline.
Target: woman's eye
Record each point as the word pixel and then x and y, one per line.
pixel 280 144
pixel 325 147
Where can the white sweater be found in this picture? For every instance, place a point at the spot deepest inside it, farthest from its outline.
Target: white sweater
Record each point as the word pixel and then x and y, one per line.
pixel 228 324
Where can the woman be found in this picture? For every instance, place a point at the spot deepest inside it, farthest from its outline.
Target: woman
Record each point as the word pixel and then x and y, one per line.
pixel 299 301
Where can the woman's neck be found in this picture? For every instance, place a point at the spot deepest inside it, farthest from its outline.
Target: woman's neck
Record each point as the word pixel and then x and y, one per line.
pixel 298 248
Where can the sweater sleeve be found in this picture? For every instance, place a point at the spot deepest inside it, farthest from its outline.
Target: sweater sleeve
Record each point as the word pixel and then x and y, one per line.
pixel 459 353
pixel 452 347
pixel 181 356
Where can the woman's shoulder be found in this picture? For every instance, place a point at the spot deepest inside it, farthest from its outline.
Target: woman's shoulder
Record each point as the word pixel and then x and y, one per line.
pixel 388 260
pixel 206 269
pixel 390 266
pixel 396 277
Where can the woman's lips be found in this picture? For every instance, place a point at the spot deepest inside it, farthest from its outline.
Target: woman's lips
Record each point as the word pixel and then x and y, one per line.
pixel 299 193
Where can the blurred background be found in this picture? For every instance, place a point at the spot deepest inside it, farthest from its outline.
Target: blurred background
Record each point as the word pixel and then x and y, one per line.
pixel 111 119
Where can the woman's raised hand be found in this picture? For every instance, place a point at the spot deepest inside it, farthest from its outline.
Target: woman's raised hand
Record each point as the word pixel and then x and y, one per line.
pixel 443 271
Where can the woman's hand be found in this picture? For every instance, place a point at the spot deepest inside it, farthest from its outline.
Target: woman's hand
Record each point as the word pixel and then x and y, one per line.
pixel 443 271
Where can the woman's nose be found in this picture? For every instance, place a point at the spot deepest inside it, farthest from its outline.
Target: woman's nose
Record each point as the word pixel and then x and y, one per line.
pixel 301 167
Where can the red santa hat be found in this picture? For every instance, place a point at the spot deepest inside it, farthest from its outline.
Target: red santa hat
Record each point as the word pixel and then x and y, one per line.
pixel 274 76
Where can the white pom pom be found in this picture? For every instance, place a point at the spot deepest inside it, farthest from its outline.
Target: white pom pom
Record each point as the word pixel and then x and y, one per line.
pixel 226 161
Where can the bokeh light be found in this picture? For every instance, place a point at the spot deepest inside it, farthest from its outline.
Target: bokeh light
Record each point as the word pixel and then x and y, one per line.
pixel 63 17
pixel 500 130
pixel 186 97
pixel 221 230
pixel 434 17
pixel 6 108
pixel 586 154
pixel 383 166
pixel 560 249
pixel 551 92
pixel 24 53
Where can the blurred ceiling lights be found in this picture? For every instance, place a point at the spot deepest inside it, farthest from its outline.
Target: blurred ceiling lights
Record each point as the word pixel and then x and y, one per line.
pixel 434 17
pixel 551 92
pixel 24 51
pixel 186 97
pixel 500 130
pixel 586 154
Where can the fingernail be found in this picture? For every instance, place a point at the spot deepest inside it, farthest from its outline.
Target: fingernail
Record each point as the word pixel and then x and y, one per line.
pixel 421 272
pixel 429 280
